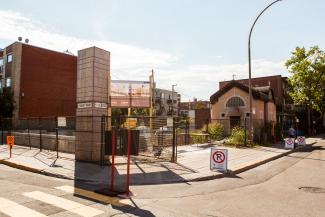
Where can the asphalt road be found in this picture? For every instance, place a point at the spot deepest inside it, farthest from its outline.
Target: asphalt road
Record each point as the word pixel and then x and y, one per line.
pixel 291 186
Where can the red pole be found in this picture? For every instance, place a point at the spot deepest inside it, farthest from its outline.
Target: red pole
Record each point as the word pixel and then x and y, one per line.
pixel 128 164
pixel 113 160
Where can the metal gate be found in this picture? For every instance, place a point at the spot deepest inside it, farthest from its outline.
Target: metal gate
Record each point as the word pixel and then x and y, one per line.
pixel 152 138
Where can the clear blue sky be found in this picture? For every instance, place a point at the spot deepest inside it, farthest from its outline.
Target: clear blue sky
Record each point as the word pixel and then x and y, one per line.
pixel 192 43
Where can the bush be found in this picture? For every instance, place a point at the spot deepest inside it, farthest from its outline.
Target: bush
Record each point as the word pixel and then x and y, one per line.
pixel 215 131
pixel 237 136
pixel 198 139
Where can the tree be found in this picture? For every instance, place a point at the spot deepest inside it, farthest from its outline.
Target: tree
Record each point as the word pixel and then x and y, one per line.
pixel 6 103
pixel 140 111
pixel 308 78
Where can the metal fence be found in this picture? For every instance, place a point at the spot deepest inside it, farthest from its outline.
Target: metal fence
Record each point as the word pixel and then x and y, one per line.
pixel 40 132
pixel 153 138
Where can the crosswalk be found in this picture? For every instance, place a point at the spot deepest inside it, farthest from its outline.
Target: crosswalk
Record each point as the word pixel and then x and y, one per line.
pixel 14 209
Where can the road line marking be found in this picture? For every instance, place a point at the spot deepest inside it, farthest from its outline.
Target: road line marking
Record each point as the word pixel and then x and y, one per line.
pixel 63 203
pixel 13 209
pixel 66 188
pixel 92 195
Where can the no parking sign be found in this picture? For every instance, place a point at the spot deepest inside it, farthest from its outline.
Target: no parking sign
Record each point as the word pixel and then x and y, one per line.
pixel 289 143
pixel 301 140
pixel 219 159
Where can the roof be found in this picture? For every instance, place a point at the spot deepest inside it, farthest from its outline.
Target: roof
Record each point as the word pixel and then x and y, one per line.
pixel 258 93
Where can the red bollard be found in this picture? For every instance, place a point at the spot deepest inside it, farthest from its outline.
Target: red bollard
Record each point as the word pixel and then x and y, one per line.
pixel 113 161
pixel 128 164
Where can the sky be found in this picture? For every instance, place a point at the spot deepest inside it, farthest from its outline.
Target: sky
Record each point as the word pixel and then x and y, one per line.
pixel 191 43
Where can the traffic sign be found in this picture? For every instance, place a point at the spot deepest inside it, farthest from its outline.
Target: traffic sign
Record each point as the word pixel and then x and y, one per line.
pixel 10 140
pixel 289 143
pixel 301 140
pixel 218 159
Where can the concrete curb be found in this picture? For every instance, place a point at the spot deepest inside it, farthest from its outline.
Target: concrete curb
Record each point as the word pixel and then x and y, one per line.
pixel 204 178
pixel 248 167
pixel 33 170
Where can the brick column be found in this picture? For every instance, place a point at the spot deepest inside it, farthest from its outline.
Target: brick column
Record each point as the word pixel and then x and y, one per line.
pixel 92 101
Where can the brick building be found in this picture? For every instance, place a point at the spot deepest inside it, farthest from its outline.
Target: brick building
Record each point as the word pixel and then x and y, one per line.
pixel 231 105
pixel 277 83
pixel 43 81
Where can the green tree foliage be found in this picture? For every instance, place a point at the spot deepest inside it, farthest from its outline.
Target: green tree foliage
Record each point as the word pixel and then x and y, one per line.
pixel 308 77
pixel 6 103
pixel 140 111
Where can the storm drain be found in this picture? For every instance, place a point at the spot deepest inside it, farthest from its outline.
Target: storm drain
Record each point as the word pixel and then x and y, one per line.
pixel 312 189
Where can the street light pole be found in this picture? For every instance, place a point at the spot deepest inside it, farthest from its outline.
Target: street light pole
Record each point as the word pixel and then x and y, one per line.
pixel 250 73
pixel 174 85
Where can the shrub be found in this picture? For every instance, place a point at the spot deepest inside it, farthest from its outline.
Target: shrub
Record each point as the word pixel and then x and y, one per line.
pixel 198 139
pixel 215 131
pixel 237 136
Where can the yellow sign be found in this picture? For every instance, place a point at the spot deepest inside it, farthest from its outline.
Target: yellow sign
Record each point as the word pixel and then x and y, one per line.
pixel 10 140
pixel 130 123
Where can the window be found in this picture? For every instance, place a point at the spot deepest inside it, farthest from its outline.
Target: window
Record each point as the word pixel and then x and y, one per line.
pixel 8 82
pixel 1 62
pixel 9 58
pixel 235 102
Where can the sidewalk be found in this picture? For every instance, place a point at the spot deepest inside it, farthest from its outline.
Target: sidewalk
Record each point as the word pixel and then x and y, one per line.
pixel 193 164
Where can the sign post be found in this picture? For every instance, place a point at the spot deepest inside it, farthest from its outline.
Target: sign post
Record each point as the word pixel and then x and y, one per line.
pixel 10 142
pixel 219 159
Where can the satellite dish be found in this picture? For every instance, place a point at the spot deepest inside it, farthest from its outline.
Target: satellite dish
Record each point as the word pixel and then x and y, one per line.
pixel 20 38
pixel 26 40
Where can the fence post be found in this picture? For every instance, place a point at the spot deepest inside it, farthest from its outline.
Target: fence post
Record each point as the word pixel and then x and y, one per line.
pixel 30 145
pixel 113 160
pixel 40 134
pixel 1 121
pixel 128 162
pixel 174 144
pixel 57 137
pixel 245 131
pixel 187 132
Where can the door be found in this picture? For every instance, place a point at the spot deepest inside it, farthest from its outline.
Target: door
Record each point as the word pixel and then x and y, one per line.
pixel 234 121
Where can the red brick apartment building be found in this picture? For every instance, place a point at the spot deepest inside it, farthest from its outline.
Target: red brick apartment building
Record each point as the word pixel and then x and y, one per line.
pixel 43 81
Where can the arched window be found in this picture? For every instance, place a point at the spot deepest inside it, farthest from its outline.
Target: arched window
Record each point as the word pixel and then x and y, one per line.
pixel 235 102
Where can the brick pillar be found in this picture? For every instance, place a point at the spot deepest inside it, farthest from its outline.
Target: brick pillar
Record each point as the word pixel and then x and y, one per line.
pixel 92 101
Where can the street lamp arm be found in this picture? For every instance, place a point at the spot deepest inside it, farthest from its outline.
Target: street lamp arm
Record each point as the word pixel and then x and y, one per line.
pixel 251 30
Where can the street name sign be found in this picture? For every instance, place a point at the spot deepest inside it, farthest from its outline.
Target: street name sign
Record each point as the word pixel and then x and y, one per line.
pixel 219 159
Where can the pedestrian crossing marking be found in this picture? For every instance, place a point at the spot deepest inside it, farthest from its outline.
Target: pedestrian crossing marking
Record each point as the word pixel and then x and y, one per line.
pixel 63 203
pixel 13 209
pixel 66 188
pixel 92 195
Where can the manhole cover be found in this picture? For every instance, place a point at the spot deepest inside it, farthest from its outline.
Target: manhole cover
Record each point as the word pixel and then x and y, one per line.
pixel 313 189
